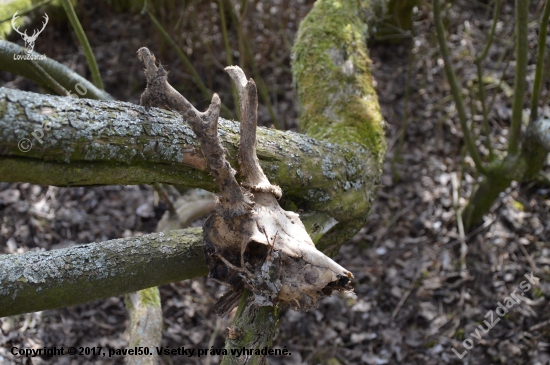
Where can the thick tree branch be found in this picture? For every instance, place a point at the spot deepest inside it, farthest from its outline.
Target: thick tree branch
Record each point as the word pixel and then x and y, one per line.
pixel 106 142
pixel 332 72
pixel 36 281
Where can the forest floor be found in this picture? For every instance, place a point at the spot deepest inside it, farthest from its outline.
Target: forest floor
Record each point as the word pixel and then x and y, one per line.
pixel 418 291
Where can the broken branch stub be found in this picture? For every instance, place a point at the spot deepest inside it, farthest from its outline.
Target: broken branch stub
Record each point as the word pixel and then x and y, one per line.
pixel 250 241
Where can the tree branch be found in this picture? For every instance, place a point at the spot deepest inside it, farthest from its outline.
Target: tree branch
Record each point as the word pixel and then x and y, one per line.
pixel 522 57
pixel 541 48
pixel 36 281
pixel 455 89
pixel 106 142
pixel 60 73
pixel 145 329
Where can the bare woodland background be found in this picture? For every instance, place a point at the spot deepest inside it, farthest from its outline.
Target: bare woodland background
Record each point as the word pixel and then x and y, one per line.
pixel 410 305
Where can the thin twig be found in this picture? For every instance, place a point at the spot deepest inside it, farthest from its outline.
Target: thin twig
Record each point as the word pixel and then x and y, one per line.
pixel 255 69
pixel 459 223
pixel 403 132
pixel 228 56
pixel 528 257
pixel 96 76
pixel 522 55
pixel 455 90
pixel 188 65
pixel 405 296
pixel 481 88
pixel 160 191
pixel 213 338
pixel 541 48
pixel 50 81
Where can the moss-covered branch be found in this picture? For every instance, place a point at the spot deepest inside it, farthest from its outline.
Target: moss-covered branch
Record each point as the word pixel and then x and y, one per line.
pixel 88 142
pixel 254 329
pixel 331 69
pixel 59 278
pixel 338 102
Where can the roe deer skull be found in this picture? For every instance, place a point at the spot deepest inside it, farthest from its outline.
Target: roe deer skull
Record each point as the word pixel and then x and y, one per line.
pixel 250 241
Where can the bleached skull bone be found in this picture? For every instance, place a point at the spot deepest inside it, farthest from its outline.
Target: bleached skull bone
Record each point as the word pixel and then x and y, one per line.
pixel 282 264
pixel 250 241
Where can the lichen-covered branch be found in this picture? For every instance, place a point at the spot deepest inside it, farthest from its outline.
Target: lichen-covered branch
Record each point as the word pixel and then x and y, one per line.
pixel 254 329
pixel 145 325
pixel 36 281
pixel 87 142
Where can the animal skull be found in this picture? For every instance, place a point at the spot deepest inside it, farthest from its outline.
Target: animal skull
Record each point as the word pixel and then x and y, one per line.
pixel 250 241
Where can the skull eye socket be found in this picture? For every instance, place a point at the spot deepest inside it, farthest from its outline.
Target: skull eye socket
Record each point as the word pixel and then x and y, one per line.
pixel 256 253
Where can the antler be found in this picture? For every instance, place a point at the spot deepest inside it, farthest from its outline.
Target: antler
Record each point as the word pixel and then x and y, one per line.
pixel 35 33
pixel 159 92
pixel 250 241
pixel 43 26
pixel 13 24
pixel 251 170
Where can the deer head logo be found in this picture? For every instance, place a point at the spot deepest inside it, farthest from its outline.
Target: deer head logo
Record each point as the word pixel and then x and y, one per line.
pixel 29 40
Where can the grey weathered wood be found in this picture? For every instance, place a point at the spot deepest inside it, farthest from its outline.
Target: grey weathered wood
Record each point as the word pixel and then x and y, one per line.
pixel 36 281
pixel 91 142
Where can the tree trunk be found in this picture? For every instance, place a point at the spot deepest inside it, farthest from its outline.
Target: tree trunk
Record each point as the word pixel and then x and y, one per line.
pixel 523 167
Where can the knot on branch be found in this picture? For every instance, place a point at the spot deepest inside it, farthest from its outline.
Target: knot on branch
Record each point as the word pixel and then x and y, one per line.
pixel 250 241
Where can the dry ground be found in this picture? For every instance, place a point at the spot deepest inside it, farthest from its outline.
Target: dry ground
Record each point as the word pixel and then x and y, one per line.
pixel 414 299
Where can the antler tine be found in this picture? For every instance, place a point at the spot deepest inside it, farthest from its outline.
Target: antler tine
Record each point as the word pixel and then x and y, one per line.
pixel 13 23
pixel 233 201
pixel 44 23
pixel 250 166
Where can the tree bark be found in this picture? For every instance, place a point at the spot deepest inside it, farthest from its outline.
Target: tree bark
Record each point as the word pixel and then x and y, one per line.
pixel 36 281
pixel 522 167
pixel 88 142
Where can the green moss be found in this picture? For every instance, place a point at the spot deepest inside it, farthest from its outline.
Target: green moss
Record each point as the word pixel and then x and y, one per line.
pixel 331 68
pixel 150 296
